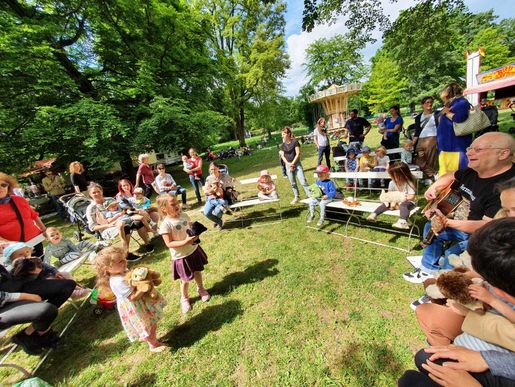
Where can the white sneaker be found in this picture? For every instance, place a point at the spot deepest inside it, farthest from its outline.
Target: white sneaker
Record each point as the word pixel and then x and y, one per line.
pixel 425 299
pixel 320 222
pixel 417 276
pixel 294 201
pixel 401 224
pixel 372 217
pixel 310 218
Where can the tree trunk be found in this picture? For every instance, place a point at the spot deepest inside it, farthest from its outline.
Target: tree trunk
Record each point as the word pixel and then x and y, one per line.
pixel 240 126
pixel 126 164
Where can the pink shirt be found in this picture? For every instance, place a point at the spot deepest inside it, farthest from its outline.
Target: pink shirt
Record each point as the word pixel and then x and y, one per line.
pixel 146 173
pixel 194 161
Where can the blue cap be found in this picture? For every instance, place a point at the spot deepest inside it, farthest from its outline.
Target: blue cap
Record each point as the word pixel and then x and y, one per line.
pixel 9 250
pixel 365 149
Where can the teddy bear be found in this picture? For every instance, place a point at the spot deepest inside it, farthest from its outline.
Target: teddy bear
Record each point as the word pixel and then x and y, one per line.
pixel 196 229
pixel 453 285
pixel 392 198
pixel 462 260
pixel 144 281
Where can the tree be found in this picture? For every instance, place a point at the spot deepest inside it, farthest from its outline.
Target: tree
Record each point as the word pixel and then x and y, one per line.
pixel 335 60
pixel 493 41
pixel 507 26
pixel 247 38
pixel 386 84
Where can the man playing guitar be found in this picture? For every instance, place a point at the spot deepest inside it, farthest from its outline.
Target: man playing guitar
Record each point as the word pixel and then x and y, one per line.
pixel 489 162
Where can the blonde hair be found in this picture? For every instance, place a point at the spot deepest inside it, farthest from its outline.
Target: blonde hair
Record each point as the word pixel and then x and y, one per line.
pixel 162 202
pixel 76 167
pixel 9 180
pixel 407 142
pixel 381 149
pixel 52 229
pixel 103 261
pixel 143 156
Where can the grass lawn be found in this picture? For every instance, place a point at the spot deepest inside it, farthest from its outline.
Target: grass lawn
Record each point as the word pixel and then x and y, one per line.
pixel 290 306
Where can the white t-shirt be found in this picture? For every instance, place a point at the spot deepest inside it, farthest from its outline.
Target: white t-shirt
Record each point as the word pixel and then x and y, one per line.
pixel 321 139
pixel 177 227
pixel 382 161
pixel 429 128
pixel 120 287
pixel 161 180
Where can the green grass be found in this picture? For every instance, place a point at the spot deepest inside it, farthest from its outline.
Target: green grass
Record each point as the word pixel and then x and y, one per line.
pixel 290 306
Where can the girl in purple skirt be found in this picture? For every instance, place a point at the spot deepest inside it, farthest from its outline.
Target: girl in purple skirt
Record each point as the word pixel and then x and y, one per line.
pixel 188 258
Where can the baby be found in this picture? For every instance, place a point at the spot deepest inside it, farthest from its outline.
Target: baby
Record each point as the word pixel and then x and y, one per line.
pixel 64 249
pixel 187 165
pixel 266 186
pixel 407 154
pixel 18 257
pixel 215 197
pixel 114 214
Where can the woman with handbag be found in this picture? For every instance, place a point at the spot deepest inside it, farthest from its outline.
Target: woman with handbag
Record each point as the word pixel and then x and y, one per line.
pixel 452 148
pixel 18 220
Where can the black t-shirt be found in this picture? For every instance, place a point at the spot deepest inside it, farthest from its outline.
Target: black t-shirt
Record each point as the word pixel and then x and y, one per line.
pixel 80 180
pixel 356 127
pixel 289 149
pixel 482 194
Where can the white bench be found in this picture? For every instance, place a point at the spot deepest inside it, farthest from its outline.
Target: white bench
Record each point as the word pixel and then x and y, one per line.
pixel 355 213
pixel 388 152
pixel 248 199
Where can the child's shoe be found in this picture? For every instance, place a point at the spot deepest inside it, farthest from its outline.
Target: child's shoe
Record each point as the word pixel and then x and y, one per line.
pixel 185 305
pixel 310 218
pixel 401 224
pixel 372 217
pixel 320 222
pixel 204 295
pixel 185 206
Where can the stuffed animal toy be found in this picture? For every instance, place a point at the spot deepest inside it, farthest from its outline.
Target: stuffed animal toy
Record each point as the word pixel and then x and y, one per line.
pixel 144 281
pixel 196 229
pixel 462 260
pixel 453 285
pixel 392 198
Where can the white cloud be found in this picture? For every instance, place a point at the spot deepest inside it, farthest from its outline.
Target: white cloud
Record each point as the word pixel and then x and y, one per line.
pixel 299 42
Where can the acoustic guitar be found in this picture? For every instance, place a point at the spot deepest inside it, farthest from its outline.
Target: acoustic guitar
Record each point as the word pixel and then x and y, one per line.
pixel 446 202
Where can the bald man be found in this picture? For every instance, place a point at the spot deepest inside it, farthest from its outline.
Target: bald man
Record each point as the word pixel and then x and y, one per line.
pixel 490 161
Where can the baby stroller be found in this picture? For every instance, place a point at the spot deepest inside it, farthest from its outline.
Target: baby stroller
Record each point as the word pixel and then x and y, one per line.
pixel 76 205
pixel 339 153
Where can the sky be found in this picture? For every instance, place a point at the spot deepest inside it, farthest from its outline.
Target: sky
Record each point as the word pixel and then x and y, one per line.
pixel 297 40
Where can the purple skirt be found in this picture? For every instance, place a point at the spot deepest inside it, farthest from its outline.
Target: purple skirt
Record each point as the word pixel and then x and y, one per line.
pixel 184 268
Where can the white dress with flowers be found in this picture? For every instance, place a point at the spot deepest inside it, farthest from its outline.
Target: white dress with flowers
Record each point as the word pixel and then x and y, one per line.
pixel 138 317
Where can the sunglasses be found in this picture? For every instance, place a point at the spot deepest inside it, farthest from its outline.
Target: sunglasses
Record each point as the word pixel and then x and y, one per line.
pixel 4 185
pixel 160 168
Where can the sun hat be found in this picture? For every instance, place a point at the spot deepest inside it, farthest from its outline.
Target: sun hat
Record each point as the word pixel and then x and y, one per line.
pixel 9 250
pixel 322 169
pixel 264 172
pixel 108 202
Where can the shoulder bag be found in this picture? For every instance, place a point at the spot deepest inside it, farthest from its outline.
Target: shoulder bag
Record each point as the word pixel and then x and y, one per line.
pixel 476 121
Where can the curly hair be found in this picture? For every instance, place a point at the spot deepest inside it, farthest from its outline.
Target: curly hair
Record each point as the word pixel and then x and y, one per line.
pixel 9 180
pixel 103 261
pixel 76 167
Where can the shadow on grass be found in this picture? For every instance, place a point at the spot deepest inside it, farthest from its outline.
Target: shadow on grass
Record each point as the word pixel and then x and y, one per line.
pixel 365 361
pixel 251 274
pixel 146 379
pixel 210 319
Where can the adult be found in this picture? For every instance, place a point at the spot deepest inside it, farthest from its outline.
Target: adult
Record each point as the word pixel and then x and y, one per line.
pixel 54 187
pixel 165 183
pixel 452 149
pixel 393 127
pixel 95 214
pixel 322 142
pixel 125 196
pixel 21 302
pixel 195 172
pixel 227 183
pixel 290 154
pixel 490 163
pixel 424 139
pixel 145 174
pixel 18 220
pixel 492 113
pixel 78 177
pixel 492 254
pixel 356 127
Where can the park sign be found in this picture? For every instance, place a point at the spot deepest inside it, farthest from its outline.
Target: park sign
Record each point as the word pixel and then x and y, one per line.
pixel 497 74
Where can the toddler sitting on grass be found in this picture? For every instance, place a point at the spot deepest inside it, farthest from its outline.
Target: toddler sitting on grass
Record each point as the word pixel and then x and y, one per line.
pixel 65 250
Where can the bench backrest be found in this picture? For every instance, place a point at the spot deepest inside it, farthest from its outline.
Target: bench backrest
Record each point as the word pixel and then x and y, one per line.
pixel 369 175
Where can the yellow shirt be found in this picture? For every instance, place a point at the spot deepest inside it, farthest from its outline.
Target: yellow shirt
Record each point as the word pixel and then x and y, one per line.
pixel 366 163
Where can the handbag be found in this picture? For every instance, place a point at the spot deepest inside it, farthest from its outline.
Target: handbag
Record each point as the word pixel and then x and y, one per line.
pixel 476 121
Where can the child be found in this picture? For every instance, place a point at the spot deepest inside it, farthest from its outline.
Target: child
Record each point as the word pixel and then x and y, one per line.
pixel 139 316
pixel 351 165
pixel 328 193
pixel 64 249
pixel 402 181
pixel 266 187
pixel 144 206
pixel 382 162
pixel 407 154
pixel 115 214
pixel 215 197
pixel 367 163
pixel 187 165
pixel 18 257
pixel 188 258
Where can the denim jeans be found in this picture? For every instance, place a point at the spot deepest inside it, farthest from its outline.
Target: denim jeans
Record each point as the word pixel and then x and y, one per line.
pixel 327 151
pixel 213 210
pixel 180 191
pixel 58 206
pixel 297 172
pixel 197 184
pixel 432 253
pixel 322 203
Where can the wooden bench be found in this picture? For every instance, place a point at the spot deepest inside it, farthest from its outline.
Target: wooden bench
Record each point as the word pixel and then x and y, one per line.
pixel 354 214
pixel 248 198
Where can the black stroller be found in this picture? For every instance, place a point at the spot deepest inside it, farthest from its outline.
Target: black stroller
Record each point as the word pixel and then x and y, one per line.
pixel 76 205
pixel 339 154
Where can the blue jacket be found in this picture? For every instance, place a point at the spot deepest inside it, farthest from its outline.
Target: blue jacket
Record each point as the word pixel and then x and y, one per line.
pixel 327 187
pixel 447 140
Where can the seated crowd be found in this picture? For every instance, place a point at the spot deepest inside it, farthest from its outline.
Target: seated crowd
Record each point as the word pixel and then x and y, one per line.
pixel 468 346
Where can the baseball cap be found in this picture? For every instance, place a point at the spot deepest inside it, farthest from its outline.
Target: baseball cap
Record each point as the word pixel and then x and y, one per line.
pixel 365 149
pixel 322 169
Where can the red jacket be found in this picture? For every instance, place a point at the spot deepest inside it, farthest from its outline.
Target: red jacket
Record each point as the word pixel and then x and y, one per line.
pixel 10 228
